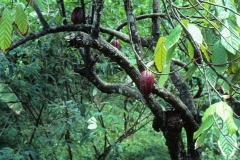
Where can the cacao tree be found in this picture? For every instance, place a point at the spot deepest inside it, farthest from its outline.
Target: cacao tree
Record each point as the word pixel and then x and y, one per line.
pixel 187 52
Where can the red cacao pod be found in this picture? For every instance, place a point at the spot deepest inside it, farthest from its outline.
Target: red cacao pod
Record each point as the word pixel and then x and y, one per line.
pixel 116 44
pixel 77 15
pixel 146 82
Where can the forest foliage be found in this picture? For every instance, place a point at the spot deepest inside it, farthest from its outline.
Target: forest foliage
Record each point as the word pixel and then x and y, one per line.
pixel 68 93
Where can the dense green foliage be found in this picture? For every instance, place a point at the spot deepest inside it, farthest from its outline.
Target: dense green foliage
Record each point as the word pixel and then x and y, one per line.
pixel 50 111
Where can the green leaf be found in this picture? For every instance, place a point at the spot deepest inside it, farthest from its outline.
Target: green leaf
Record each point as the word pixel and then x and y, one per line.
pixel 174 36
pixel 200 140
pixel 227 143
pixel 219 56
pixel 170 53
pixel 7 96
pixel 204 126
pixel 237 122
pixel 195 33
pixel 224 111
pixel 189 73
pixel 82 110
pixel 210 111
pixel 211 76
pixel 231 126
pixel 236 76
pixel 5 31
pixel 160 54
pixel 204 51
pixel 225 85
pixel 163 78
pixel 21 20
pixel 230 40
pixel 185 22
pixel 44 5
pixel 190 50
pixel 166 68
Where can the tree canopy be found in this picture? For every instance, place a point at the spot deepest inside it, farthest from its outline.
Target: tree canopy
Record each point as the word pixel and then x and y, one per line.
pixel 72 82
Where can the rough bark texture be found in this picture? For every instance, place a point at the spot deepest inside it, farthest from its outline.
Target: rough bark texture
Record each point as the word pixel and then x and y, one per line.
pixel 187 99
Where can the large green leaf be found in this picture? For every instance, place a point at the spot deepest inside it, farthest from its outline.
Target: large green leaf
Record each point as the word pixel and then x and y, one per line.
pixel 233 7
pixel 195 33
pixel 170 53
pixel 210 111
pixel 230 39
pixel 190 72
pixel 219 56
pixel 224 111
pixel 166 68
pixel 5 31
pixel 160 54
pixel 231 126
pixel 204 126
pixel 174 36
pixel 21 20
pixel 227 143
pixel 202 138
pixel 163 78
pixel 220 11
pixel 211 76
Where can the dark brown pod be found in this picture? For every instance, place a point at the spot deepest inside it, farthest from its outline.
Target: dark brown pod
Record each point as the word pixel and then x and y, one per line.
pixel 116 44
pixel 146 82
pixel 197 58
pixel 77 15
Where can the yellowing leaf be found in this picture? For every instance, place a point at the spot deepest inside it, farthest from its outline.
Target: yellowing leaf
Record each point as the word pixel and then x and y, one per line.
pixel 185 22
pixel 231 126
pixel 224 111
pixel 204 51
pixel 160 54
pixel 21 20
pixel 5 31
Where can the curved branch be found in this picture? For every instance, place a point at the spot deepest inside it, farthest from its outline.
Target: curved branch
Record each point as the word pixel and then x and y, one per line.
pixel 105 87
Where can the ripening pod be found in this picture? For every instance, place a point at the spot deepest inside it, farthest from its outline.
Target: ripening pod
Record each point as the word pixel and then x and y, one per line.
pixel 77 15
pixel 116 44
pixel 146 82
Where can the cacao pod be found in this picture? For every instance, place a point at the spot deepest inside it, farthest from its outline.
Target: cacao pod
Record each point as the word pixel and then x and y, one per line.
pixel 197 58
pixel 146 82
pixel 77 15
pixel 116 44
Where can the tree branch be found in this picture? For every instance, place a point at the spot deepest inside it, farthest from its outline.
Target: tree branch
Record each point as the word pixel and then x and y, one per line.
pixel 40 16
pixel 96 18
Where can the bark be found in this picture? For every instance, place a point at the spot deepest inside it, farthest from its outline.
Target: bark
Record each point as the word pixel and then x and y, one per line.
pixel 187 99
